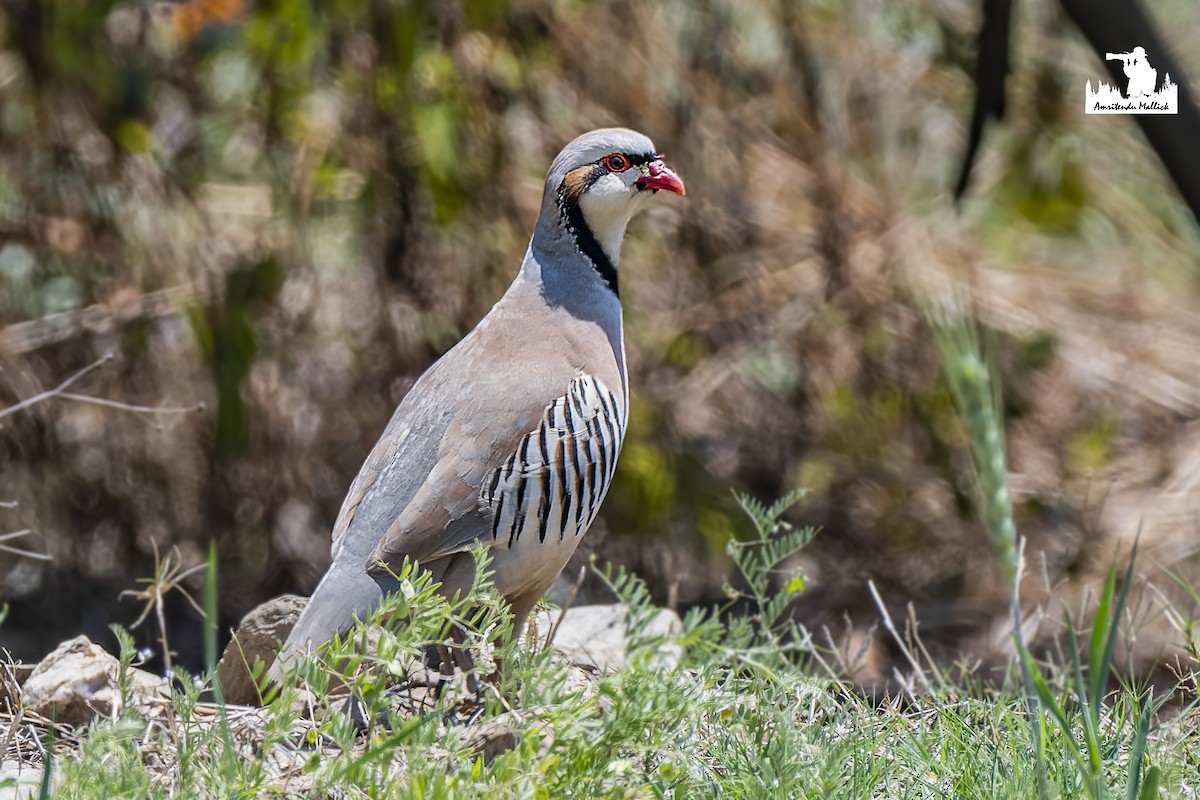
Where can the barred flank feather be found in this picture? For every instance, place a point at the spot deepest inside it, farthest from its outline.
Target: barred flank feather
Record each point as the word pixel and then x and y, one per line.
pixel 554 482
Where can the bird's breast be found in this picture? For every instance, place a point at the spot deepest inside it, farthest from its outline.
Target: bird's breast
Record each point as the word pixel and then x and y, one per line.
pixel 547 493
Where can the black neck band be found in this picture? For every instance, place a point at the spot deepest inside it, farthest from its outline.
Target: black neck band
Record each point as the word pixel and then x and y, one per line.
pixel 572 219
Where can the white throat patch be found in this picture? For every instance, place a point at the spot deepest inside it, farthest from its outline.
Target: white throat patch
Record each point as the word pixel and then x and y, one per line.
pixel 607 206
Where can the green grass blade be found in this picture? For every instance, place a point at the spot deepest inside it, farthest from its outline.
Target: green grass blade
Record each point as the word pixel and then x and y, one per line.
pixel 1101 670
pixel 210 622
pixel 1099 651
pixel 1036 715
pixel 1175 577
pixel 210 608
pixel 1150 786
pixel 1091 728
pixel 1045 694
pixel 229 754
pixel 1138 752
pixel 47 764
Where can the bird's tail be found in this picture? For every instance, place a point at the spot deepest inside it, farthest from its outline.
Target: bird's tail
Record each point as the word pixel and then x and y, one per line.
pixel 343 594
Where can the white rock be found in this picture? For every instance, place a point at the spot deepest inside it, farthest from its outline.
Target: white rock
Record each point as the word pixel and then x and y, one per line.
pixel 596 636
pixel 27 778
pixel 78 680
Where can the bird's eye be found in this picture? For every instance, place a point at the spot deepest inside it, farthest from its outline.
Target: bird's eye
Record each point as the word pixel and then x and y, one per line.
pixel 616 162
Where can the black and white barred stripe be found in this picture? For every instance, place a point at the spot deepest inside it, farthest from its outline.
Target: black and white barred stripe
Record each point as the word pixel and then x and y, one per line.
pixel 554 482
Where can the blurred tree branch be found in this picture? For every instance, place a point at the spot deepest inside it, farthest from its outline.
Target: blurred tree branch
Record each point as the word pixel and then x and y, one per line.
pixel 17 551
pixel 991 73
pixel 61 392
pixel 1115 25
pixel 1108 25
pixel 58 390
pixel 25 337
pixel 822 152
pixel 55 233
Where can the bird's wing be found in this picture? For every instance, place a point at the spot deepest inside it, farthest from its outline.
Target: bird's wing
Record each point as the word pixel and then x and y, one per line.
pixel 500 486
pixel 382 454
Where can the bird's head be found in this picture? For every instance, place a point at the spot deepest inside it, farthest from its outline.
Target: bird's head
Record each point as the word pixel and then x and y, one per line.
pixel 597 183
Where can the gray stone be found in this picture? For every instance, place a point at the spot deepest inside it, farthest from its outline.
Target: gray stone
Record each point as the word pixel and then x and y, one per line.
pixel 257 637
pixel 492 738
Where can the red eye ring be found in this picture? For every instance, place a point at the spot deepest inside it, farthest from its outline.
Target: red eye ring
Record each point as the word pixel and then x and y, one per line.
pixel 616 162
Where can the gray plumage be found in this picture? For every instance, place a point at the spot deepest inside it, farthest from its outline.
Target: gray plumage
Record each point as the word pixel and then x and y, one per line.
pixel 512 437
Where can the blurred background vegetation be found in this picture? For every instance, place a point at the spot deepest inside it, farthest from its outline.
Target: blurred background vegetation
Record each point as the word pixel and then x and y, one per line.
pixel 287 209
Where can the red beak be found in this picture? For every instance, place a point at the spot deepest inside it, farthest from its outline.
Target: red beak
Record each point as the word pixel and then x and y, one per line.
pixel 660 177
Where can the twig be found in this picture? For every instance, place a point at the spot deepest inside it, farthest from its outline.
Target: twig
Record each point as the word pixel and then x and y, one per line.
pixel 106 403
pixel 916 639
pixel 37 740
pixel 566 605
pixel 9 504
pixel 17 715
pixel 27 337
pixel 58 390
pixel 18 718
pixel 61 393
pixel 806 640
pixel 101 401
pixel 17 550
pixel 887 623
pixel 162 629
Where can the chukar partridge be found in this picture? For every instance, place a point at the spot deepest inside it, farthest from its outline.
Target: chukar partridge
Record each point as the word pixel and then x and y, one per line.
pixel 511 438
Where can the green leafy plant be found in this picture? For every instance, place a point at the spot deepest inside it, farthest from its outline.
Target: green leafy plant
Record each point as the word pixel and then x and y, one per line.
pixel 760 561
